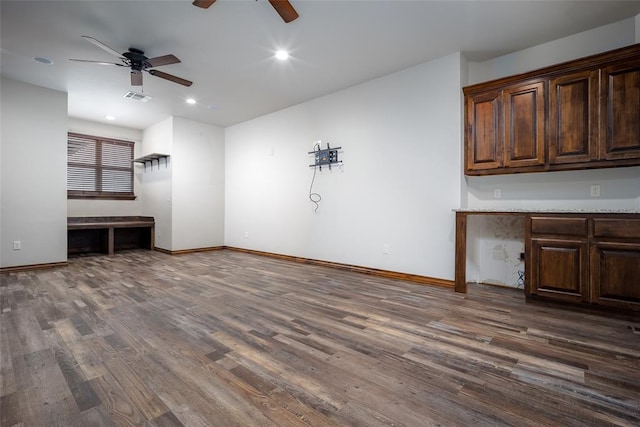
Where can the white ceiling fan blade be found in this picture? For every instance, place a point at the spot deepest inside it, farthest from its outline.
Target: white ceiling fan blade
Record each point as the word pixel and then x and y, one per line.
pixel 103 46
pixel 98 62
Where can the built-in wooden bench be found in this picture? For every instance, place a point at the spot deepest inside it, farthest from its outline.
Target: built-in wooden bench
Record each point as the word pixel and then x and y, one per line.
pixel 107 234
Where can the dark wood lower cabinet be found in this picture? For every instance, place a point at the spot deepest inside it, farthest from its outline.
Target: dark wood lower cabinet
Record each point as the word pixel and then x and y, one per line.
pixel 560 269
pixel 615 274
pixel 591 258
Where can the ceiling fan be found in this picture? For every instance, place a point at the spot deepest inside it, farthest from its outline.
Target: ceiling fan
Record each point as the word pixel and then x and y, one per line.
pixel 138 62
pixel 283 7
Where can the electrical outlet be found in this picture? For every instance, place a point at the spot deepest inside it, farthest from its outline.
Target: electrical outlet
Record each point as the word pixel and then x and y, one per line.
pixel 17 245
pixel 246 234
pixel 497 193
pixel 595 190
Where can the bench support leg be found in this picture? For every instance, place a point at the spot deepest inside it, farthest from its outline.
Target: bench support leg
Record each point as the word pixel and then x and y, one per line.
pixel 111 240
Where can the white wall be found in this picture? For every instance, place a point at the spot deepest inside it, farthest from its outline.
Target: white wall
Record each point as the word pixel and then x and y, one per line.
pixel 198 185
pixel 89 207
pixel 33 177
pixel 156 179
pixel 493 254
pixel 464 78
pixel 185 195
pixel 597 40
pixel 620 187
pixel 400 138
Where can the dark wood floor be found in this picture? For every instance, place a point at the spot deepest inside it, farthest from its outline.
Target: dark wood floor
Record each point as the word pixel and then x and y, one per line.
pixel 230 339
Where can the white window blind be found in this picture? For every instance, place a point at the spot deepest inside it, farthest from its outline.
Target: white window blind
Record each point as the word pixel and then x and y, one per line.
pixel 99 167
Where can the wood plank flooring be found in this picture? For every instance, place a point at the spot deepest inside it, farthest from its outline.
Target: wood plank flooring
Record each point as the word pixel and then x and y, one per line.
pixel 231 339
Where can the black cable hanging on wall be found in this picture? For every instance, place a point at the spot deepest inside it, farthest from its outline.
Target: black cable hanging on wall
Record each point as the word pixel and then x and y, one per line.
pixel 314 197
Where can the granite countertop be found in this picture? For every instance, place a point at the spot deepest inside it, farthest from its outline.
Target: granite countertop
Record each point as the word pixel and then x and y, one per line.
pixel 541 210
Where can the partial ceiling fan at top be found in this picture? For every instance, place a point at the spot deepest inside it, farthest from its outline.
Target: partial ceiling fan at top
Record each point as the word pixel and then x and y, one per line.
pixel 283 7
pixel 138 62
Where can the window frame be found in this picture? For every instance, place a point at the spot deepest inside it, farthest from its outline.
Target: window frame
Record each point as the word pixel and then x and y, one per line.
pixel 98 142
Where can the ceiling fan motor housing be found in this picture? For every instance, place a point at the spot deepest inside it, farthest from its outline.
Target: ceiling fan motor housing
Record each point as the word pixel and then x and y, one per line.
pixel 137 58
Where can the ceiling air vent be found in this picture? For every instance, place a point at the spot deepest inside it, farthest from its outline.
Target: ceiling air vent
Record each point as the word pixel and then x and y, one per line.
pixel 137 96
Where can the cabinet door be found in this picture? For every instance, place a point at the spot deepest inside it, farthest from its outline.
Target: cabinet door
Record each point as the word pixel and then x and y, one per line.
pixel 483 138
pixel 559 269
pixel 615 274
pixel 573 118
pixel 524 125
pixel 620 112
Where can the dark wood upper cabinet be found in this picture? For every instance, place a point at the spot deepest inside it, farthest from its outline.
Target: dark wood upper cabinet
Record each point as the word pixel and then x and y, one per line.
pixel 524 117
pixel 581 114
pixel 505 128
pixel 620 111
pixel 573 118
pixel 484 127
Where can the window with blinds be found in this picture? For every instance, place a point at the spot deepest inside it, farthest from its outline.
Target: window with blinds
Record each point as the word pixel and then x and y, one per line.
pixel 99 168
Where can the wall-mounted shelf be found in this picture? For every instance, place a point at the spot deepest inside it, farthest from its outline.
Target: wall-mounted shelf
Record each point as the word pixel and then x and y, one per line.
pixel 150 158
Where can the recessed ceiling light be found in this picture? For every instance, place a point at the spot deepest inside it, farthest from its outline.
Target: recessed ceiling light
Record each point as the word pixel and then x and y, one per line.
pixel 191 101
pixel 43 60
pixel 110 117
pixel 282 55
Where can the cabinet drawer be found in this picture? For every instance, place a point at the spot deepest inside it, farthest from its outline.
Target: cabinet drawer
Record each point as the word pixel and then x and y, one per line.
pixel 624 228
pixel 560 226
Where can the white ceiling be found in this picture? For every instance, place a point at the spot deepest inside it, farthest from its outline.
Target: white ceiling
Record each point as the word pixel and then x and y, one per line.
pixel 227 50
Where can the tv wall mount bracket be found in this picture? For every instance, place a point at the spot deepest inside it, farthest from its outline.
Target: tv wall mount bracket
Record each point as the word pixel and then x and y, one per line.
pixel 325 156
